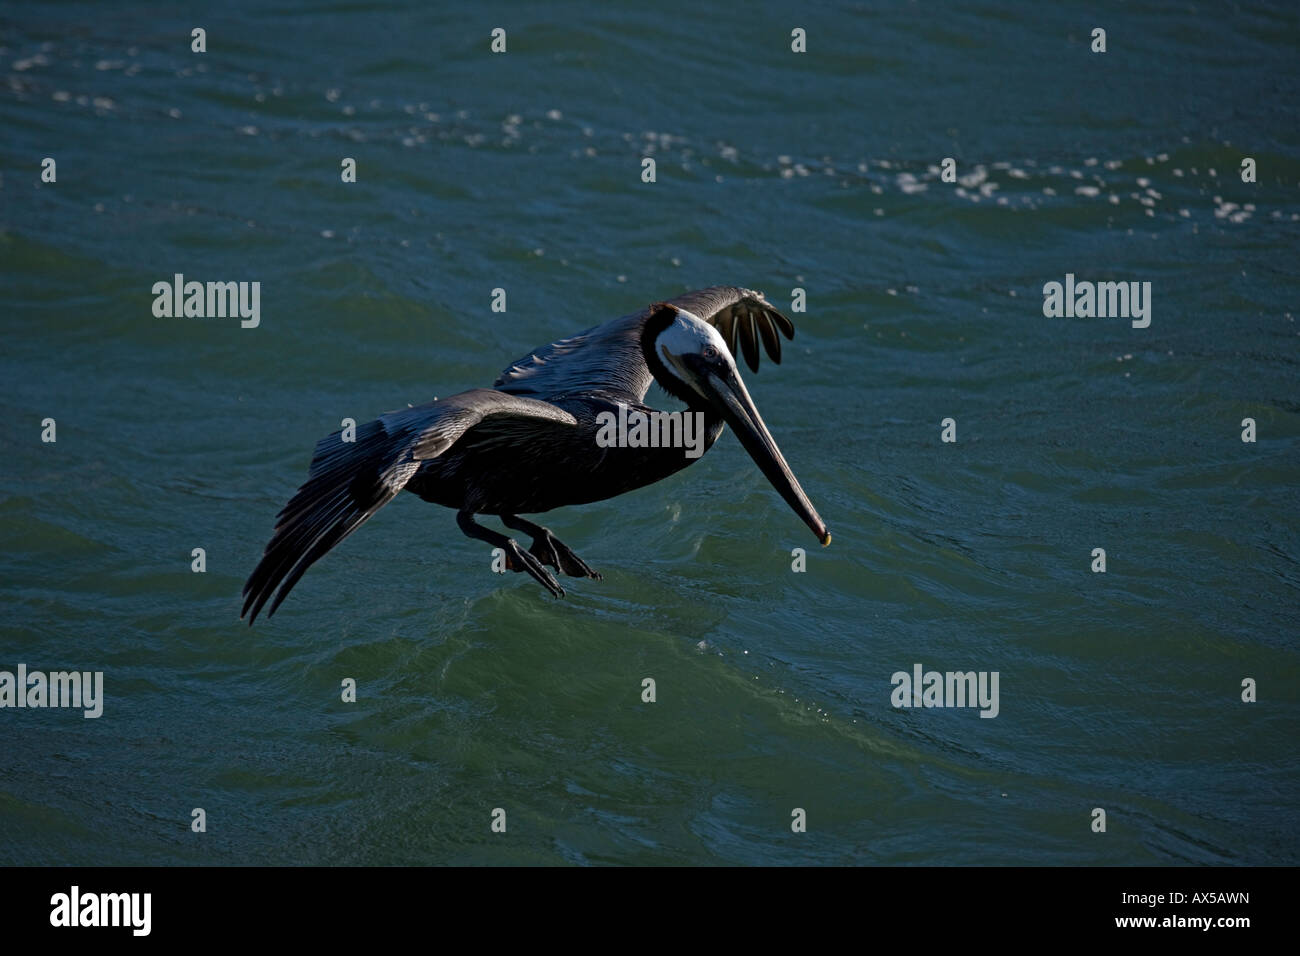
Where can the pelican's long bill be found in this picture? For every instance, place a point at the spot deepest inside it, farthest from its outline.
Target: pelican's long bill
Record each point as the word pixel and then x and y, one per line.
pixel 739 412
pixel 528 445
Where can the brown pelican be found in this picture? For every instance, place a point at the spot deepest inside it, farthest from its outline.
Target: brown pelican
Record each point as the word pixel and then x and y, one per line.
pixel 530 443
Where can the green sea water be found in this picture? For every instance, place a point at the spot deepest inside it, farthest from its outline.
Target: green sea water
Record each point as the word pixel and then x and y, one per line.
pixel 775 170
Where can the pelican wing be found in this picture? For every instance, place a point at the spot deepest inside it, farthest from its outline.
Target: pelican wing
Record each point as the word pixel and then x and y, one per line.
pixel 742 317
pixel 350 480
pixel 608 358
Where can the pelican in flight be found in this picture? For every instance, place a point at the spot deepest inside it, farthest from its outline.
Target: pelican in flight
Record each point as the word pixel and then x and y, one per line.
pixel 530 443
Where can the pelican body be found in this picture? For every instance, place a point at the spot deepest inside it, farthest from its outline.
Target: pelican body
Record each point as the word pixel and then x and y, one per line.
pixel 533 442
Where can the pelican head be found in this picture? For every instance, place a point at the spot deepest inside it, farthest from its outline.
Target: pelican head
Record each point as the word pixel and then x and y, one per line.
pixel 690 360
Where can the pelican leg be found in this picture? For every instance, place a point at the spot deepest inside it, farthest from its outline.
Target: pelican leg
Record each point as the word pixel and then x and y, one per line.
pixel 517 559
pixel 551 550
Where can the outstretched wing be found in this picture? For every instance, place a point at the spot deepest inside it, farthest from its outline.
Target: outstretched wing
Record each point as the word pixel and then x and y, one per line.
pixel 350 481
pixel 742 317
pixel 608 357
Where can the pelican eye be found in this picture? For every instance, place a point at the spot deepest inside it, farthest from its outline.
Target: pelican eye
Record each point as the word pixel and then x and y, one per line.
pixel 710 352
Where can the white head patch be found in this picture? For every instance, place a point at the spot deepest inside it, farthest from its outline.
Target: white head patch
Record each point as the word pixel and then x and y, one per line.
pixel 688 334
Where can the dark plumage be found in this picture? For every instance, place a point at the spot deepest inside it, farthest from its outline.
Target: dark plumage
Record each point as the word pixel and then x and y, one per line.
pixel 528 444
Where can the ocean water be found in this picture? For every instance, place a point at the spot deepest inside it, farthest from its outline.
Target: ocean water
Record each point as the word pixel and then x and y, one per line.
pixel 775 170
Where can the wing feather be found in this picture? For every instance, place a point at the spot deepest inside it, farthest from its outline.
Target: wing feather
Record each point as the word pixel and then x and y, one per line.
pixel 607 358
pixel 349 481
